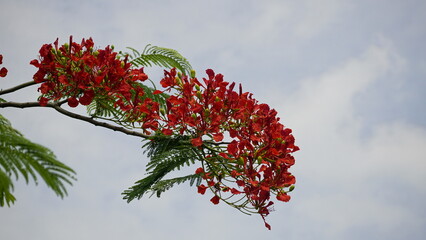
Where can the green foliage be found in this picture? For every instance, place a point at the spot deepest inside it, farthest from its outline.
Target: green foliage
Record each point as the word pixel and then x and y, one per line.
pixel 166 154
pixel 164 185
pixel 106 109
pixel 6 186
pixel 21 157
pixel 151 55
pixel 160 56
pixel 159 98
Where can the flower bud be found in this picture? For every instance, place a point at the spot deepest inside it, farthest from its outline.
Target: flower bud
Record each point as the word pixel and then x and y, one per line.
pixel 66 45
pixel 199 94
pixel 178 81
pixel 192 73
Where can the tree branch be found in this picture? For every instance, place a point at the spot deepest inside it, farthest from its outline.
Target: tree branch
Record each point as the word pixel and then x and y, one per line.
pixel 57 107
pixel 24 85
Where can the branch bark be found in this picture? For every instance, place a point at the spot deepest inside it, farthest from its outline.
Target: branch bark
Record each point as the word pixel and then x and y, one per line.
pixel 13 89
pixel 57 107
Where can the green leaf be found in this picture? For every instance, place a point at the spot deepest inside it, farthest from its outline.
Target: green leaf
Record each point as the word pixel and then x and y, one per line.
pixel 164 185
pixel 167 153
pixel 6 186
pixel 160 56
pixel 21 157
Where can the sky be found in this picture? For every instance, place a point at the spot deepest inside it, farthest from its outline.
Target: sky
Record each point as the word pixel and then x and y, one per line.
pixel 349 77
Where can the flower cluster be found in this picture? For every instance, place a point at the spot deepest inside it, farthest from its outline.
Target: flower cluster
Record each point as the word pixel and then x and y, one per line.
pixel 245 151
pixel 3 70
pixel 254 163
pixel 80 73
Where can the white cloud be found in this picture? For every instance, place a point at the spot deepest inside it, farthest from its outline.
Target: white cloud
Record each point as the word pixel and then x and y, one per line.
pixel 316 16
pixel 327 99
pixel 347 169
pixel 349 186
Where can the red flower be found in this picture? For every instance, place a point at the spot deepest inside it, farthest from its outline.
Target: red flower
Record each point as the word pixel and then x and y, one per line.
pixel 45 50
pixel 256 158
pixel 72 102
pixel 215 200
pixel 234 174
pixel 240 183
pixel 283 197
pixel 267 226
pixel 199 171
pixel 169 79
pixel 210 73
pixel 202 189
pixel 196 142
pixel 167 132
pixel 218 137
pixel 235 191
pixel 3 72
pixel 35 63
pixel 43 101
pixel 87 97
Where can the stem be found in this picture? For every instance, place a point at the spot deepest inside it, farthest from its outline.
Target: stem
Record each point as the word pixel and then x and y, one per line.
pixel 57 107
pixel 13 89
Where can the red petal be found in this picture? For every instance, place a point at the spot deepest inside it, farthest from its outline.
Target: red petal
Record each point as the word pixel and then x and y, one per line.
pixel 72 102
pixel 218 137
pixel 87 97
pixel 210 73
pixel 199 170
pixel 35 63
pixel 43 101
pixel 233 148
pixel 235 191
pixel 215 200
pixel 240 183
pixel 283 197
pixel 197 141
pixel 3 72
pixel 167 132
pixel 234 173
pixel 267 226
pixel 201 189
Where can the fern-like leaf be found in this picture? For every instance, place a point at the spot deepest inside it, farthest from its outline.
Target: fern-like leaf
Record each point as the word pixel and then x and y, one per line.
pixel 160 56
pixel 21 157
pixel 166 154
pixel 164 185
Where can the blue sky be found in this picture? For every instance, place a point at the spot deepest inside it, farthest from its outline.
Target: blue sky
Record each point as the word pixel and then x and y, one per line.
pixel 349 77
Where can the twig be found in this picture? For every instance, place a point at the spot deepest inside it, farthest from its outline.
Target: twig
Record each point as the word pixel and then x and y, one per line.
pixel 13 89
pixel 57 107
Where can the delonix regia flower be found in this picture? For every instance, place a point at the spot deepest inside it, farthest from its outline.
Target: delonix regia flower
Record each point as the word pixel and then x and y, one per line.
pixel 3 70
pixel 244 150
